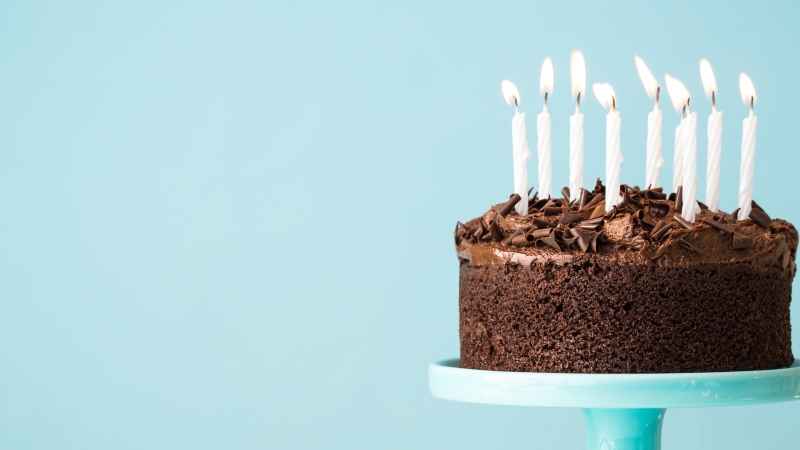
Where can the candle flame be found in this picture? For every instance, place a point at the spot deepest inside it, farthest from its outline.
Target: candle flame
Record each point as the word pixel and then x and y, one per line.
pixel 707 75
pixel 648 80
pixel 577 68
pixel 546 78
pixel 677 93
pixel 510 93
pixel 604 93
pixel 747 89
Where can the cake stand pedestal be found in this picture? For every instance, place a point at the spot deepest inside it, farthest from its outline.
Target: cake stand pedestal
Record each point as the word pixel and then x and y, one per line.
pixel 622 411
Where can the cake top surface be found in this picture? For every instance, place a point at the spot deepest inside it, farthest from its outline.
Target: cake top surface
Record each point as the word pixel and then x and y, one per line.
pixel 645 228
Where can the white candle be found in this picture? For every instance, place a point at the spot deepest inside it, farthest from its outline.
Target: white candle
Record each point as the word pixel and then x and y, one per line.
pixel 748 149
pixel 654 159
pixel 690 207
pixel 544 151
pixel 679 96
pixel 578 75
pixel 605 95
pixel 519 141
pixel 714 138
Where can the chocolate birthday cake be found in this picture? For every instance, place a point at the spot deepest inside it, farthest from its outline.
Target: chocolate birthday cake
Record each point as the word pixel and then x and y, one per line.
pixel 573 288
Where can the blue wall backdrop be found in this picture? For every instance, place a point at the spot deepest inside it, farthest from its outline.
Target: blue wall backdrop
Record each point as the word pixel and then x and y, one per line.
pixel 228 224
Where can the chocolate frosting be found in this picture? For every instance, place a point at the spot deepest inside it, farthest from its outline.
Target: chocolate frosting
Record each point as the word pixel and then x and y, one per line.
pixel 645 229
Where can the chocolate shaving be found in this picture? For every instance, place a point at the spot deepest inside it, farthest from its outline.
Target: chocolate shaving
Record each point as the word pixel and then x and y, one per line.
pixel 543 223
pixel 552 211
pixel 599 211
pixel 654 194
pixel 599 188
pixel 594 201
pixel 732 217
pixel 479 232
pixel 659 225
pixel 702 205
pixel 647 226
pixel 688 246
pixel 583 238
pixel 512 201
pixel 591 226
pixel 569 241
pixel 529 191
pixel 679 199
pixel 662 232
pixel 683 222
pixel 724 228
pixel 539 204
pixel 494 228
pixel 551 202
pixel 755 205
pixel 565 193
pixel 610 215
pixel 550 240
pixel 586 196
pixel 541 233
pixel 658 209
pixel 571 218
pixel 760 218
pixel 522 240
pixel 507 241
pixel 742 241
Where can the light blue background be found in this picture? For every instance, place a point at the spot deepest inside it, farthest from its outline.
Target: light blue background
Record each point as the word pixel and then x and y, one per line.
pixel 228 224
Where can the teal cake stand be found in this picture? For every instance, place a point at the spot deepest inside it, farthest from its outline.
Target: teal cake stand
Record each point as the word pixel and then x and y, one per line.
pixel 622 411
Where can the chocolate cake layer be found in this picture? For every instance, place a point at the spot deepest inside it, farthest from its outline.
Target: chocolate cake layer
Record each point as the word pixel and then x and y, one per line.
pixel 561 291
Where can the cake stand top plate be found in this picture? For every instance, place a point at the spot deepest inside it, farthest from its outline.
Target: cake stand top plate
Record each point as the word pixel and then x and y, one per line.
pixel 581 390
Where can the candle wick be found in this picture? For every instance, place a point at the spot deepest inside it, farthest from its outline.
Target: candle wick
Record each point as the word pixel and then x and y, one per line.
pixel 714 100
pixel 545 101
pixel 688 109
pixel 683 112
pixel 613 103
pixel 752 99
pixel 658 94
pixel 578 103
pixel 516 105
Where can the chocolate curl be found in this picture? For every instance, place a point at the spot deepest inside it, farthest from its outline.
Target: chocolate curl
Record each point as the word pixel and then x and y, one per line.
pixel 529 191
pixel 532 202
pixel 543 223
pixel 658 235
pixel 683 222
pixel 688 246
pixel 551 202
pixel 672 197
pixel 741 241
pixel 760 218
pixel 523 240
pixel 584 198
pixel 599 188
pixel 599 211
pixel 461 233
pixel 610 215
pixel 479 232
pixel 755 205
pixel 679 199
pixel 550 240
pixel 507 241
pixel 565 193
pixel 647 226
pixel 539 204
pixel 552 211
pixel 494 229
pixel 702 205
pixel 654 194
pixel 586 240
pixel 732 217
pixel 659 225
pixel 594 201
pixel 542 233
pixel 568 241
pixel 510 204
pixel 571 218
pixel 724 228
pixel 658 209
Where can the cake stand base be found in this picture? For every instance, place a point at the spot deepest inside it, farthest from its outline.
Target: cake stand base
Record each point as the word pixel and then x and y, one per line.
pixel 622 411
